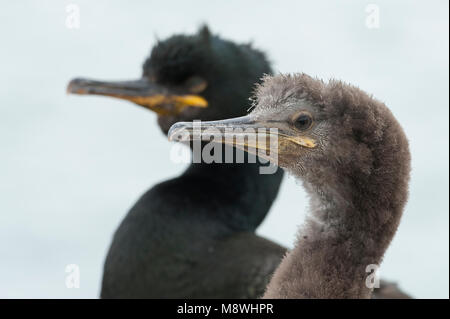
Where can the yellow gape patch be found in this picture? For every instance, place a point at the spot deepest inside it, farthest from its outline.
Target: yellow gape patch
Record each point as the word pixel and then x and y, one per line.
pixel 303 141
pixel 161 103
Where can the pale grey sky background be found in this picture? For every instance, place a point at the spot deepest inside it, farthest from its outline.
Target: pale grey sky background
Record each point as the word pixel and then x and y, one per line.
pixel 70 166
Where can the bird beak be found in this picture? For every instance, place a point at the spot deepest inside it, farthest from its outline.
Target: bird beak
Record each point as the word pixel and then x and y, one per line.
pixel 267 139
pixel 142 92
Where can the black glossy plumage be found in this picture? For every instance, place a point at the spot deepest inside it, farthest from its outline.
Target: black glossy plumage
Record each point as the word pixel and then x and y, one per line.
pixel 193 236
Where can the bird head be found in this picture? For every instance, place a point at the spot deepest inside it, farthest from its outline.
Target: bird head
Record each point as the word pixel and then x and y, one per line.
pixel 324 133
pixel 188 77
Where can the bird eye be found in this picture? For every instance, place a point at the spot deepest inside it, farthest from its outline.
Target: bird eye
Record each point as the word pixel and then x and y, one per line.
pixel 303 121
pixel 196 84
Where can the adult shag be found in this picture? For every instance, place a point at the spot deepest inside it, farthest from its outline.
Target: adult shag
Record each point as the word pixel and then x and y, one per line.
pixel 194 236
pixel 353 159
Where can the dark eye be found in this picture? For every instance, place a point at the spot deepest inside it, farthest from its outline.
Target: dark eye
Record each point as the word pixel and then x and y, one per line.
pixel 196 84
pixel 303 121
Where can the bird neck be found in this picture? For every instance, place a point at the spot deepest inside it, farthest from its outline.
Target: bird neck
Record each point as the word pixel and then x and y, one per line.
pixel 237 194
pixel 350 225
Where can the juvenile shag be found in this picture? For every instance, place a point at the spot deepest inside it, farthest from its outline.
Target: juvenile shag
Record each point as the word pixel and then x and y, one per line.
pixel 193 236
pixel 353 159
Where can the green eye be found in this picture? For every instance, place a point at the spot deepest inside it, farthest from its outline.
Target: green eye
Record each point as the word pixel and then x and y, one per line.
pixel 303 121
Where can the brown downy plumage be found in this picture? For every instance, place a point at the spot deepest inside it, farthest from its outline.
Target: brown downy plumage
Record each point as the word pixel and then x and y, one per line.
pixel 357 178
pixel 353 159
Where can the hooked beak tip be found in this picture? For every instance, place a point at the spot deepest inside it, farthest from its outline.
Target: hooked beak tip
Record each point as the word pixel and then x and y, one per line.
pixel 75 86
pixel 69 87
pixel 178 132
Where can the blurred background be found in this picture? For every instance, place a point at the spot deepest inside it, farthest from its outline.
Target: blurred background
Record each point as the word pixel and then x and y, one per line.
pixel 71 166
